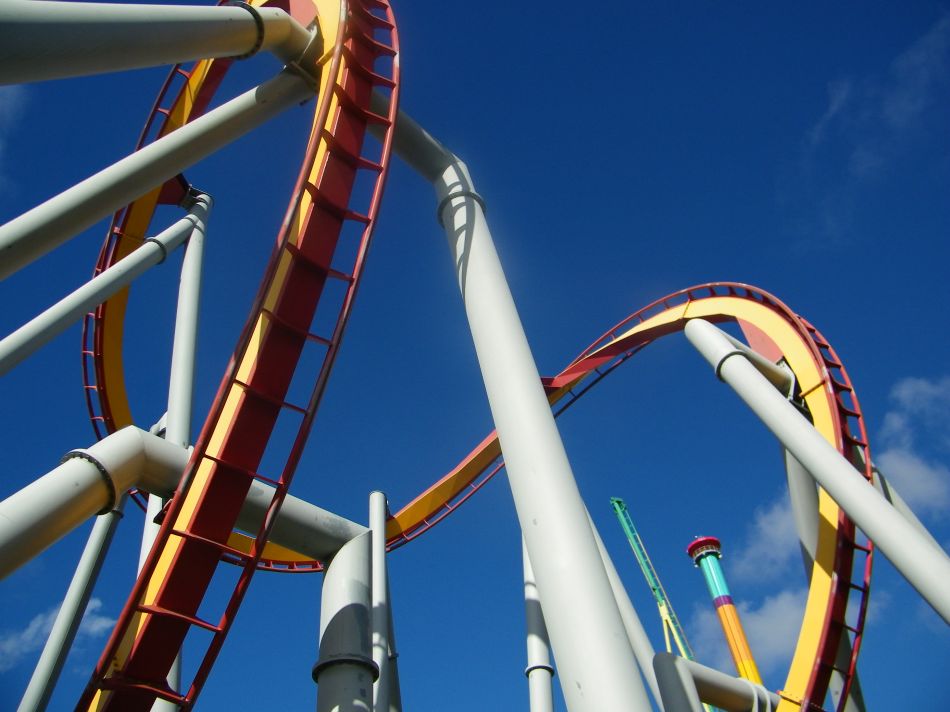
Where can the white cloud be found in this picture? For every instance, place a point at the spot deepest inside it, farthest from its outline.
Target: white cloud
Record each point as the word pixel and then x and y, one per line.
pixel 707 640
pixel 770 545
pixel 876 114
pixel 14 645
pixel 771 629
pixel 923 485
pixel 17 644
pixel 867 124
pixel 914 433
pixel 916 77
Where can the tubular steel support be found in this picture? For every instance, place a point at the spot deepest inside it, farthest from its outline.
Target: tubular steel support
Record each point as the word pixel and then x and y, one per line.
pixel 539 671
pixel 54 40
pixel 636 634
pixel 685 685
pixel 395 696
pixel 182 380
pixel 87 482
pixel 52 506
pixel 803 494
pixel 61 636
pixel 52 322
pixel 925 566
pixel 345 670
pixel 37 231
pixel 381 612
pixel 594 663
pixel 180 393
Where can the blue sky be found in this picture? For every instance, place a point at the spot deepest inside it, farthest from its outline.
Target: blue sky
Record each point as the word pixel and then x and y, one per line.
pixel 623 154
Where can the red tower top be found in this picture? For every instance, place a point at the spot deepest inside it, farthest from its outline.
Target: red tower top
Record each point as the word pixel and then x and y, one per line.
pixel 703 544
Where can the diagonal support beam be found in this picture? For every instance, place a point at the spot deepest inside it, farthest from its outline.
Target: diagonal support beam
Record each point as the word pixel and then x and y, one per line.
pixel 925 566
pixel 54 40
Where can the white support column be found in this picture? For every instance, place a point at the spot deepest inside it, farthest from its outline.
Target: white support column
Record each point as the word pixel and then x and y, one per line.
pixel 593 656
pixel 381 612
pixel 54 40
pixel 48 225
pixel 925 566
pixel 59 317
pixel 686 684
pixel 636 634
pixel 52 506
pixel 345 670
pixel 395 695
pixel 87 482
pixel 181 385
pixel 70 614
pixel 803 494
pixel 539 671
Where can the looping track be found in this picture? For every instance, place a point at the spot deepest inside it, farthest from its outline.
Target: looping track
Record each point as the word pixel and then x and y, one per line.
pixel 165 605
pixel 824 387
pixel 198 531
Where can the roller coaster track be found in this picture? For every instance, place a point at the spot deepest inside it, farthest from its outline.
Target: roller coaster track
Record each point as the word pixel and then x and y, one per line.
pixel 165 605
pixel 198 530
pixel 825 392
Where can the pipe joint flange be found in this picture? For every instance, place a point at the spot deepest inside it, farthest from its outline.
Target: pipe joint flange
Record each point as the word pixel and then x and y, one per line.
pixel 531 668
pixel 311 56
pixel 159 245
pixel 726 357
pixel 193 196
pixel 458 194
pixel 258 23
pixel 103 472
pixel 362 661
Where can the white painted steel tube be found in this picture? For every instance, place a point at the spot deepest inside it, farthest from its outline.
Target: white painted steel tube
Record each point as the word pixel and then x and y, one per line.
pixel 886 488
pixel 46 326
pixel 686 683
pixel 181 384
pixel 345 669
pixel 70 614
pixel 593 656
pixel 636 634
pixel 300 526
pixel 779 376
pixel 54 40
pixel 803 495
pixel 182 379
pixel 925 566
pixel 395 695
pixel 539 670
pixel 48 225
pixel 52 506
pixel 380 601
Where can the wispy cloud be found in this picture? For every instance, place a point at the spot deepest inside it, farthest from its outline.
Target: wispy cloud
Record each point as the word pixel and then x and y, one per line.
pixel 16 645
pixel 770 545
pixel 771 628
pixel 868 123
pixel 913 436
pixel 13 101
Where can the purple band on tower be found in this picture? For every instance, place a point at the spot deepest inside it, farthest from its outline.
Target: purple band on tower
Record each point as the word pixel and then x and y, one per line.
pixel 719 601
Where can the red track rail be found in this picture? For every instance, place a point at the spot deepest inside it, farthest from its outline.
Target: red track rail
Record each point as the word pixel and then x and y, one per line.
pixel 164 605
pixel 592 365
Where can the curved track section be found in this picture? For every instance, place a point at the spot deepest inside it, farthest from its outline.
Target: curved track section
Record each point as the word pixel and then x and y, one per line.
pixel 825 391
pixel 235 447
pixel 164 605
